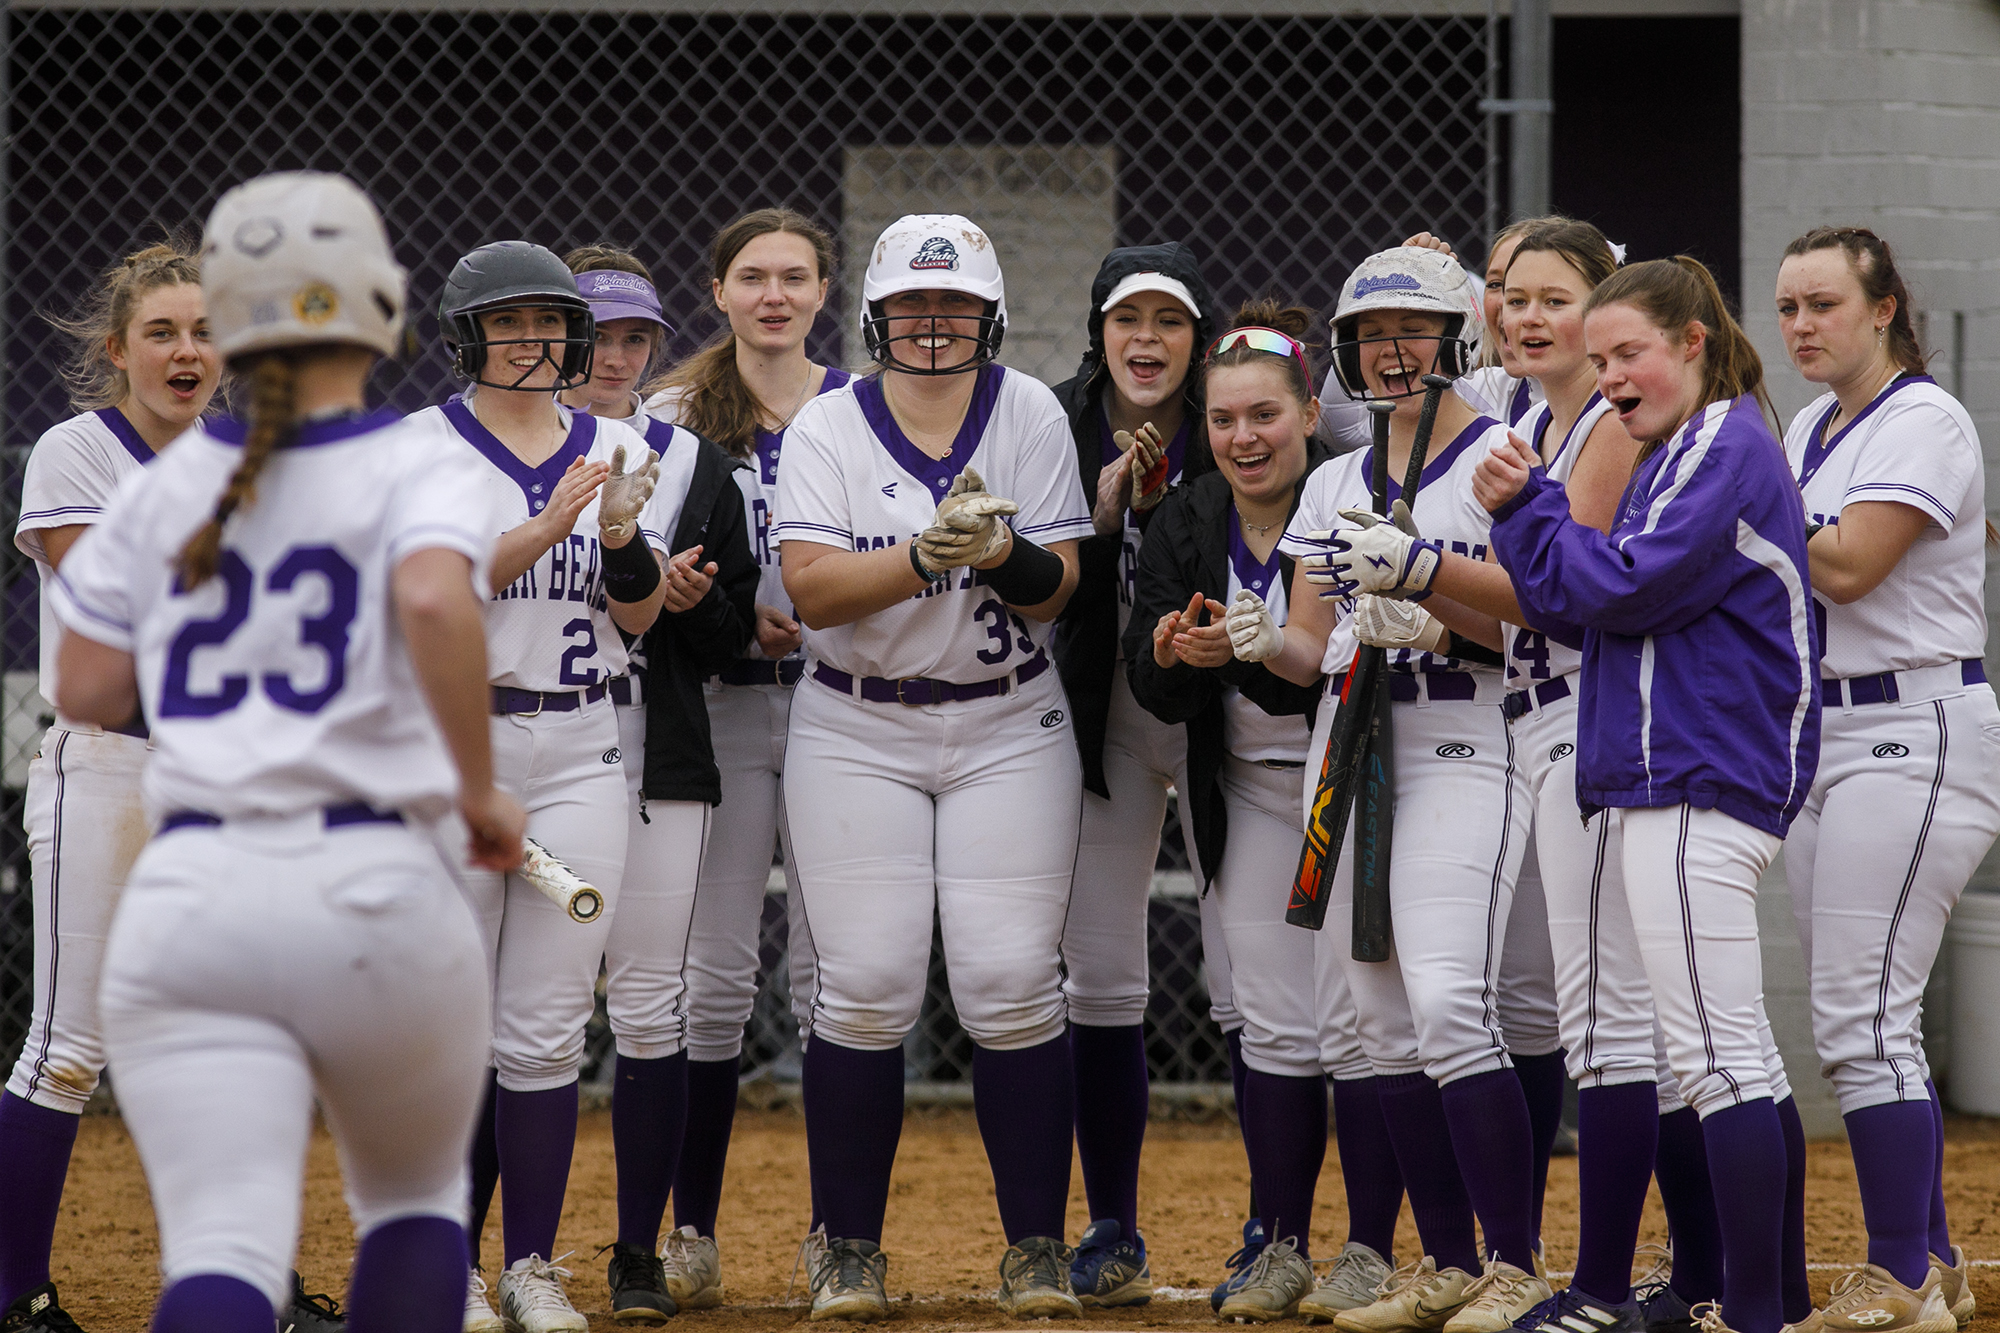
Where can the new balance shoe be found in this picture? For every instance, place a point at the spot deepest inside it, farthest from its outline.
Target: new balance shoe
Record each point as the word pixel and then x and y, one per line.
pixel 848 1278
pixel 1238 1264
pixel 1870 1300
pixel 1419 1295
pixel 1957 1277
pixel 479 1316
pixel 638 1286
pixel 38 1311
pixel 1272 1287
pixel 694 1269
pixel 532 1299
pixel 1354 1280
pixel 314 1312
pixel 1570 1311
pixel 1111 1270
pixel 1034 1280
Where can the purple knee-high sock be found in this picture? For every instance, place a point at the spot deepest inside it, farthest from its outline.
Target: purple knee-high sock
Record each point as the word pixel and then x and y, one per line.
pixel 1025 1105
pixel 1113 1096
pixel 212 1303
pixel 1367 1164
pixel 35 1145
pixel 854 1119
pixel 1794 1287
pixel 1680 1164
pixel 1413 1109
pixel 648 1117
pixel 711 1114
pixel 409 1277
pixel 1940 1238
pixel 1542 1085
pixel 1488 1117
pixel 1893 1158
pixel 485 1164
pixel 1617 1130
pixel 1746 1162
pixel 1237 1069
pixel 536 1132
pixel 1284 1129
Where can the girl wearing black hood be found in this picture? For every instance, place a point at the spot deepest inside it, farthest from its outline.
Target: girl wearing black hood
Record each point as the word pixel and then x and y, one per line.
pixel 1132 408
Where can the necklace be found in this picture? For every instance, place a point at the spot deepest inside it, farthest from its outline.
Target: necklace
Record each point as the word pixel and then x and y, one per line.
pixel 1259 528
pixel 924 440
pixel 785 421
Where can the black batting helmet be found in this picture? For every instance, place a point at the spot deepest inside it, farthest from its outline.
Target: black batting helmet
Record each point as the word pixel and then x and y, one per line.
pixel 515 275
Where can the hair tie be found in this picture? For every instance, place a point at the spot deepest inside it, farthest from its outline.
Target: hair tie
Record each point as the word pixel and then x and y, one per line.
pixel 1617 253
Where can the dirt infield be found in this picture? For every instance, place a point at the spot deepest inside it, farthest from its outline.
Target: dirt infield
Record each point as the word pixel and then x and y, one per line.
pixel 943 1237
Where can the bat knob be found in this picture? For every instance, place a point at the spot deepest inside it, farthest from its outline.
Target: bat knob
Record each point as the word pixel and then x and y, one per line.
pixel 585 906
pixel 1433 381
pixel 1382 408
pixel 1371 951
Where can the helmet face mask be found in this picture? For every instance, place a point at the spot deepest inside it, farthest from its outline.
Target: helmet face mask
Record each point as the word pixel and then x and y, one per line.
pixel 909 353
pixel 1441 353
pixel 932 252
pixel 515 275
pixel 1409 278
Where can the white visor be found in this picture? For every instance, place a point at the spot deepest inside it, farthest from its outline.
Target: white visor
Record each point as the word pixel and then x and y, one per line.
pixel 1152 282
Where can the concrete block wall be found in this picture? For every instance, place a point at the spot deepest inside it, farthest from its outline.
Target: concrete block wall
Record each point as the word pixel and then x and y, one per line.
pixel 1884 114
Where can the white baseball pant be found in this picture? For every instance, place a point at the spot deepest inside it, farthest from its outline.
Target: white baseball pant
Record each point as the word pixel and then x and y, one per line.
pixel 1905 806
pixel 969 809
pixel 1527 1000
pixel 86 825
pixel 257 965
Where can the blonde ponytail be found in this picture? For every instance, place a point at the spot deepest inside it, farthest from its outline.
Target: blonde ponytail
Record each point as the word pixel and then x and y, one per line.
pixel 273 420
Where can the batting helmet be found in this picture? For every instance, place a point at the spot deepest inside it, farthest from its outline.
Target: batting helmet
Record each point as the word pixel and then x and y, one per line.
pixel 515 275
pixel 1409 277
pixel 932 252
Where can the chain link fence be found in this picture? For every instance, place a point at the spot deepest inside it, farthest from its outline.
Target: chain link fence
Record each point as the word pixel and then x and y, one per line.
pixel 1283 147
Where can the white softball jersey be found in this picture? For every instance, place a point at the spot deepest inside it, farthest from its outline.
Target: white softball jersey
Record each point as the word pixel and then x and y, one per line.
pixel 72 473
pixel 1497 394
pixel 303 582
pixel 1913 445
pixel 1533 657
pixel 1249 732
pixel 853 480
pixel 551 629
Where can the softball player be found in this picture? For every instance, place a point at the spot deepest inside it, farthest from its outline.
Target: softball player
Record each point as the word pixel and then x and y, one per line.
pixel 1427 1016
pixel 1699 718
pixel 569 579
pixel 769 272
pixel 1150 312
pixel 1907 798
pixel 928 707
pixel 279 591
pixel 1247 734
pixel 142 371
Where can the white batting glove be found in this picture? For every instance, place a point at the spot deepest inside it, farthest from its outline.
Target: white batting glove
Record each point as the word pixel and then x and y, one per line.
pixel 966 530
pixel 625 494
pixel 1374 556
pixel 1383 622
pixel 1253 635
pixel 1149 464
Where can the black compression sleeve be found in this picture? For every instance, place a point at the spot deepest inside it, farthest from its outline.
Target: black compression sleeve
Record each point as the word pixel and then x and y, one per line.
pixel 631 571
pixel 1028 576
pixel 1470 650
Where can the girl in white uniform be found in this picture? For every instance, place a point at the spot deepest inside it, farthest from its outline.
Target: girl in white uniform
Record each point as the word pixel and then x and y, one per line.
pixel 575 567
pixel 768 273
pixel 1907 799
pixel 142 371
pixel 287 594
pixel 930 766
pixel 1427 1016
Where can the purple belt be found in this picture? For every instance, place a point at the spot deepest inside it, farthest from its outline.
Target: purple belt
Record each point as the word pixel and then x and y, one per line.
pixel 1882 689
pixel 507 699
pixel 337 816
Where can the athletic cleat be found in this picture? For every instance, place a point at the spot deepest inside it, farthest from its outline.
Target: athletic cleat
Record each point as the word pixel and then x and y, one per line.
pixel 1663 1308
pixel 1110 1270
pixel 315 1313
pixel 1870 1300
pixel 1034 1280
pixel 1814 1322
pixel 1502 1295
pixel 1707 1316
pixel 694 1269
pixel 638 1281
pixel 1957 1284
pixel 1238 1264
pixel 532 1299
pixel 1354 1281
pixel 1419 1295
pixel 479 1316
pixel 1272 1287
pixel 847 1279
pixel 1570 1311
pixel 38 1311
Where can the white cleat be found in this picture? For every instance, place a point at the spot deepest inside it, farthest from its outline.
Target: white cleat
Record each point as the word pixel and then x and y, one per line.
pixel 532 1299
pixel 479 1316
pixel 694 1269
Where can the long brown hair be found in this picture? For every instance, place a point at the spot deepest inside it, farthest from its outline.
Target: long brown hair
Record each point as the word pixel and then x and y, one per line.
pixel 103 316
pixel 1874 267
pixel 273 418
pixel 1675 293
pixel 714 400
pixel 1580 245
pixel 1489 352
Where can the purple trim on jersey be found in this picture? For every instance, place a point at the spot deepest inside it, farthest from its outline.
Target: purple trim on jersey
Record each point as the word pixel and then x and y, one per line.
pixel 1518 405
pixel 230 431
pixel 1176 447
pixel 1569 436
pixel 935 473
pixel 533 481
pixel 120 425
pixel 1437 464
pixel 766 443
pixel 1819 448
pixel 1257 575
pixel 1865 487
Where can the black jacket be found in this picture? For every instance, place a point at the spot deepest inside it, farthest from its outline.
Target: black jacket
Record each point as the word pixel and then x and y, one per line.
pixel 685 648
pixel 1187 549
pixel 1086 635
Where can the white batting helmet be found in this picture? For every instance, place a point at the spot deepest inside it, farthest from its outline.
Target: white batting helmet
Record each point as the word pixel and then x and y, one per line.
pixel 1409 277
pixel 932 252
pixel 298 258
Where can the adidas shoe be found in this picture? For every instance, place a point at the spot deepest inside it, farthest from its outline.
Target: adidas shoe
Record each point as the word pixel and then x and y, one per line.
pixel 1957 1284
pixel 638 1286
pixel 1870 1300
pixel 479 1316
pixel 38 1311
pixel 848 1278
pixel 1272 1287
pixel 1354 1280
pixel 1570 1311
pixel 314 1313
pixel 1419 1295
pixel 1034 1280
pixel 694 1269
pixel 1109 1269
pixel 532 1299
pixel 1238 1264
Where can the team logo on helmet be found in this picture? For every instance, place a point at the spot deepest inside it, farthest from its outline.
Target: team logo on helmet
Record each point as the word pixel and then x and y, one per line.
pixel 1388 282
pixel 316 303
pixel 258 237
pixel 937 252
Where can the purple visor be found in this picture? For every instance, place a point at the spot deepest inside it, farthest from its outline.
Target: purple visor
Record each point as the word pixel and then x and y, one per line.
pixel 616 295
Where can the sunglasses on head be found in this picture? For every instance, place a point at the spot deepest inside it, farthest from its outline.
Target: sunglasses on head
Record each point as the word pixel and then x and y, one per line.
pixel 1260 339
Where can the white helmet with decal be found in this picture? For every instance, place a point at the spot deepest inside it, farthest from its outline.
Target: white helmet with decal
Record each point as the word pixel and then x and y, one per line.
pixel 932 252
pixel 1409 277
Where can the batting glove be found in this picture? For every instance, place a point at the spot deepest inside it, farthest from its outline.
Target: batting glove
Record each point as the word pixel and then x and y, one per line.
pixel 1383 622
pixel 1375 556
pixel 625 494
pixel 1149 464
pixel 1253 635
pixel 966 530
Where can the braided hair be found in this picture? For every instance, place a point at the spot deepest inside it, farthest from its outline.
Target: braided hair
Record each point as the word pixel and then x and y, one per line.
pixel 273 419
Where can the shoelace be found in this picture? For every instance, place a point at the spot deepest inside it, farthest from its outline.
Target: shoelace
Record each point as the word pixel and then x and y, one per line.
pixel 1405 1278
pixel 1246 1256
pixel 317 1301
pixel 1044 1265
pixel 540 1283
pixel 1857 1286
pixel 851 1268
pixel 634 1271
pixel 815 1245
pixel 1565 1302
pixel 678 1248
pixel 1707 1317
pixel 1496 1283
pixel 1347 1273
pixel 1260 1267
pixel 1659 1265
